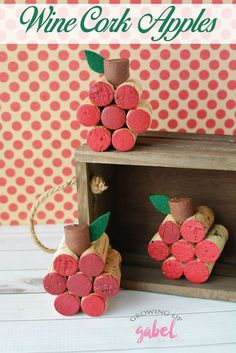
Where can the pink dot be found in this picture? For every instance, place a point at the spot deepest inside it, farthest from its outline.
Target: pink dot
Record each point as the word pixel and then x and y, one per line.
pixel 47 153
pixel 4 76
pixel 205 54
pixel 184 74
pixel 185 54
pixel 145 54
pixel 41 215
pixel 38 162
pixel 56 144
pixel 46 134
pixel 183 94
pixel 172 123
pixel 20 181
pixel 47 171
pixel 194 64
pixel 201 114
pixel 154 104
pixel 57 180
pixel 4 97
pixel 6 116
pixel 14 86
pixel 219 131
pixel 193 84
pixel 65 134
pixel 54 85
pixel 45 115
pixel 55 105
pixel 174 84
pixel 53 65
pixel 74 85
pixel 68 206
pixel 192 104
pixel 22 55
pixel 104 53
pixel 173 104
pixel 25 116
pixel 230 104
pixel 10 172
pixel 67 171
pixel 203 74
pixel 222 94
pixel 64 75
pixel 213 84
pixel 154 85
pixel 24 96
pixel 232 84
pixel 43 76
pixel 7 135
pixel 214 64
pixel 35 106
pixel 52 46
pixel 182 114
pixel 211 104
pixel 215 46
pixel 210 123
pixel 3 56
pixel 55 125
pixel 5 216
pixel 42 55
pixel 134 64
pixel 165 54
pixel 155 64
pixel 223 74
pixel 229 123
pixel 29 172
pixel 164 74
pixel 28 154
pixel 232 64
pixel 39 180
pixel 164 94
pixel 34 86
pixel 74 65
pixel 11 47
pixel 224 54
pixel 13 66
pixel 66 153
pixel 16 125
pixel 63 55
pixel 175 64
pixel 64 95
pixel 163 114
pixel 3 199
pixel 191 123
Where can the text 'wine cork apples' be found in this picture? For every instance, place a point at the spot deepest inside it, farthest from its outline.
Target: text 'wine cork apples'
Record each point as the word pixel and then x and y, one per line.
pixel 187 241
pixel 85 270
pixel 113 111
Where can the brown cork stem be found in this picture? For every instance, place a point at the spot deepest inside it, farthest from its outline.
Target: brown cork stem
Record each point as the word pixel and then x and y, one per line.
pixel 181 208
pixel 116 71
pixel 77 237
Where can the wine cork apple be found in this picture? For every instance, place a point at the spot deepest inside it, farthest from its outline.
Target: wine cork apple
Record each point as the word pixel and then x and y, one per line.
pixel 186 241
pixel 113 111
pixel 85 270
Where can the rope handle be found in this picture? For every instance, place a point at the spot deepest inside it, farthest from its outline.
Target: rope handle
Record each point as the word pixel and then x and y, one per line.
pixel 97 186
pixel 35 207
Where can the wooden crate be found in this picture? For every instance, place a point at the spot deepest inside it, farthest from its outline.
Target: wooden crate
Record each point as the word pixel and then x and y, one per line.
pixel 202 166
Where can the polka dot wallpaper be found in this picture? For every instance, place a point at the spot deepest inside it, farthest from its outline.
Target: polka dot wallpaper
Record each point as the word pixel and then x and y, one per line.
pixel 191 88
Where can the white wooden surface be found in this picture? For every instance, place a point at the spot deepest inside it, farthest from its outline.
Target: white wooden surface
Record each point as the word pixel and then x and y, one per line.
pixel 29 323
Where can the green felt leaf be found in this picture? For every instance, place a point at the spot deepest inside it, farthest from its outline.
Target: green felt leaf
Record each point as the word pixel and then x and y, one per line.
pixel 98 227
pixel 95 61
pixel 161 203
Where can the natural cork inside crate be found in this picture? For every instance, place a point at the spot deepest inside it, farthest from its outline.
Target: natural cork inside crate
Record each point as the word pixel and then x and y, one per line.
pixel 203 167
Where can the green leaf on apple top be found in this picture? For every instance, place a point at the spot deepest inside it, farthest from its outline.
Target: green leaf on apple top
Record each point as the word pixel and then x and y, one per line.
pixel 161 203
pixel 95 61
pixel 98 226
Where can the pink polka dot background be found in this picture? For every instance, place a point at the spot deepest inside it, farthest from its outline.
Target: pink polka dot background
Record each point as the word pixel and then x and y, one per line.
pixel 191 88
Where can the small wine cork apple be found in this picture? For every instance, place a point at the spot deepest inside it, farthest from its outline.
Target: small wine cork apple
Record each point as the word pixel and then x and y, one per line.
pixel 79 284
pixel 93 304
pixel 88 114
pixel 197 271
pixel 108 283
pixel 209 249
pixel 127 95
pixel 54 283
pixel 172 268
pixel 65 262
pixel 92 261
pixel 67 304
pixel 139 119
pixel 195 228
pixel 116 71
pixel 181 208
pixel 183 250
pixel 158 249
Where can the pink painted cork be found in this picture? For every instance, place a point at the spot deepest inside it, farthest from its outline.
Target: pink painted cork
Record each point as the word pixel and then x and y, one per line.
pixel 99 139
pixel 183 250
pixel 65 262
pixel 195 228
pixel 88 114
pixel 158 249
pixel 172 268
pixel 67 304
pixel 197 271
pixel 123 140
pixel 127 95
pixel 113 117
pixel 139 119
pixel 169 230
pixel 209 249
pixel 92 261
pixel 54 283
pixel 93 305
pixel 79 284
pixel 101 93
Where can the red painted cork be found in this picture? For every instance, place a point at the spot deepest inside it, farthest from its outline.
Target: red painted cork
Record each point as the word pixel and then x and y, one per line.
pixel 101 93
pixel 195 228
pixel 67 304
pixel 92 261
pixel 113 117
pixel 99 139
pixel 139 119
pixel 158 249
pixel 172 268
pixel 79 284
pixel 127 95
pixel 123 140
pixel 183 250
pixel 77 237
pixel 88 114
pixel 54 283
pixel 65 265
pixel 181 208
pixel 209 249
pixel 169 230
pixel 197 271
pixel 93 305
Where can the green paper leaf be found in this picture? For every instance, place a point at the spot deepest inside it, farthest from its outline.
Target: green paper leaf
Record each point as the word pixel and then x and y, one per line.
pixel 95 61
pixel 98 227
pixel 161 203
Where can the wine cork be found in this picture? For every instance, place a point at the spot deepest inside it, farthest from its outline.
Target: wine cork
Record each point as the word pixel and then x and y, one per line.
pixel 108 283
pixel 92 261
pixel 101 93
pixel 195 228
pixel 123 140
pixel 116 71
pixel 197 271
pixel 54 283
pixel 169 230
pixel 79 284
pixel 158 249
pixel 67 304
pixel 127 95
pixel 172 268
pixel 77 237
pixel 181 208
pixel 88 114
pixel 183 250
pixel 99 139
pixel 209 249
pixel 65 262
pixel 139 119
pixel 93 305
pixel 113 117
